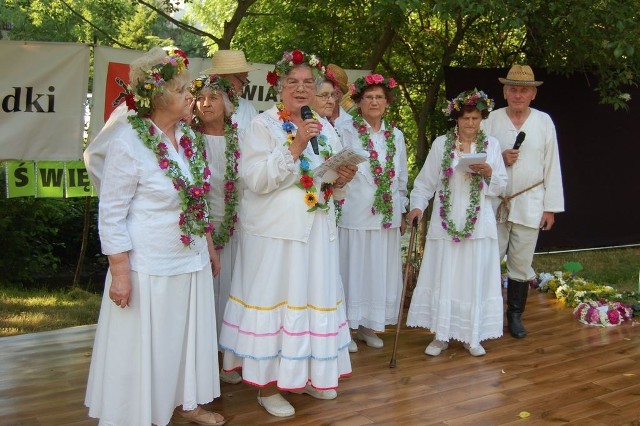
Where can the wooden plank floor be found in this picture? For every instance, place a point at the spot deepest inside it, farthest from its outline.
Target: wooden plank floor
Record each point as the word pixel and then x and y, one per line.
pixel 562 373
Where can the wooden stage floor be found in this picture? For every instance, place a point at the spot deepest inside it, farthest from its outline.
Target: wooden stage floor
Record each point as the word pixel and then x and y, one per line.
pixel 562 373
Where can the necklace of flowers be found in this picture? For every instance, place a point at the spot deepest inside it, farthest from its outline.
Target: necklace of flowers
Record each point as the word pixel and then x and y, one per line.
pixel 226 229
pixel 382 176
pixel 193 219
pixel 306 174
pixel 444 194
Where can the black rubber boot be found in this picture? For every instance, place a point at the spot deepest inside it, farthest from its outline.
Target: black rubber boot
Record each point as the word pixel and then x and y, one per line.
pixel 517 292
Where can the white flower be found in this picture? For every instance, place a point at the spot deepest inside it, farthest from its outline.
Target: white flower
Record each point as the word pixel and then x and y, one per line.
pixel 313 60
pixel 625 96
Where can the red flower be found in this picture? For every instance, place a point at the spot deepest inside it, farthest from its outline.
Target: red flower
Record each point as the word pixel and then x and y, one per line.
pixel 230 186
pixel 196 192
pixel 188 152
pixel 164 163
pixel 183 55
pixel 298 57
pixel 377 170
pixel 272 78
pixel 186 240
pixel 373 154
pixel 128 99
pixel 306 181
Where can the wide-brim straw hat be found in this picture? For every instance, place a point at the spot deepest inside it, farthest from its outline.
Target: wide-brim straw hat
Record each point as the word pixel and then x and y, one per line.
pixel 341 77
pixel 520 75
pixel 229 62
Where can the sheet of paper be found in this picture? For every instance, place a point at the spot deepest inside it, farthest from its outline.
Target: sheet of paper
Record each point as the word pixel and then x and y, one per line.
pixel 466 160
pixel 347 156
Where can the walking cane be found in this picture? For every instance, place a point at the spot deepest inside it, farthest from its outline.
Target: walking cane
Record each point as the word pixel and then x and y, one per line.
pixel 414 227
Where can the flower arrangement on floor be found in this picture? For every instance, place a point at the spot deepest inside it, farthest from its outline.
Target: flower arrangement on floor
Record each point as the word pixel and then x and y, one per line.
pixel 602 313
pixel 594 303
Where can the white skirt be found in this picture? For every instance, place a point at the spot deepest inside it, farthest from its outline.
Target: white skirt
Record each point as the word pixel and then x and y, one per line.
pixel 458 294
pixel 222 283
pixel 285 321
pixel 371 269
pixel 156 354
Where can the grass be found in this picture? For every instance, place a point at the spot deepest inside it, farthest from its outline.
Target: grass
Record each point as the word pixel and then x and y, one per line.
pixel 29 311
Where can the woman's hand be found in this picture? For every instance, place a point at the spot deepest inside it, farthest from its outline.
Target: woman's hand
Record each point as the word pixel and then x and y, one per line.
pixel 308 129
pixel 413 214
pixel 120 288
pixel 346 174
pixel 483 169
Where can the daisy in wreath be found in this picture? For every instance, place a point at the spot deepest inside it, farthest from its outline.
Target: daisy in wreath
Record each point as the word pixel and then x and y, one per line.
pixel 371 218
pixel 214 101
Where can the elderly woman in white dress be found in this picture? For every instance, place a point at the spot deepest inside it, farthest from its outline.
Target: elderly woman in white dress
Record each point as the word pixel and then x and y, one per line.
pixel 458 294
pixel 371 222
pixel 285 323
pixel 215 100
pixel 154 352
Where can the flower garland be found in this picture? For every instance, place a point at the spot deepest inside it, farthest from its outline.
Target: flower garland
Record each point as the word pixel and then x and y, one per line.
pixel 138 97
pixel 306 174
pixel 289 61
pixel 194 217
pixel 602 313
pixel 362 83
pixel 444 194
pixel 474 97
pixel 382 176
pixel 226 229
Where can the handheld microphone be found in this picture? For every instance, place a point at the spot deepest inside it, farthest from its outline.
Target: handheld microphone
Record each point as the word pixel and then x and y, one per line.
pixel 519 140
pixel 306 113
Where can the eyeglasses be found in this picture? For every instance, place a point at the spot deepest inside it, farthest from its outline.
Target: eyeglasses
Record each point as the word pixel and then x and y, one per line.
pixel 326 96
pixel 294 84
pixel 244 81
pixel 371 98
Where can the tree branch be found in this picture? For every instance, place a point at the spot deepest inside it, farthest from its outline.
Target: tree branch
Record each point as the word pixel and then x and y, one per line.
pixel 92 25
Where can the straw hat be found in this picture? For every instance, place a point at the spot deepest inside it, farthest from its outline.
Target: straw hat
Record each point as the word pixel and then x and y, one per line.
pixel 520 75
pixel 340 77
pixel 229 62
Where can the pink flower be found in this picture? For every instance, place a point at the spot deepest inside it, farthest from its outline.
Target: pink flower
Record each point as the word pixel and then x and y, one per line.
pixel 182 219
pixel 164 163
pixel 152 130
pixel 392 173
pixel 387 225
pixel 196 191
pixel 230 186
pixel 448 172
pixel 614 317
pixel 188 153
pixel 206 186
pixel 186 240
pixel 377 170
pixel 207 172
pixel 362 129
pixel 392 83
pixel 373 154
pixel 162 149
pixel 369 79
pixel 352 89
pixel 377 78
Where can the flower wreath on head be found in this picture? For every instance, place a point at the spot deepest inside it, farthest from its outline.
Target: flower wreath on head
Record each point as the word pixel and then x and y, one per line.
pixel 602 313
pixel 361 84
pixel 290 60
pixel 475 97
pixel 138 98
pixel 231 178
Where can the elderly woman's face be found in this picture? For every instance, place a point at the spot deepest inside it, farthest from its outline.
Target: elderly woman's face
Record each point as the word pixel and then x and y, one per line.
pixel 298 88
pixel 210 106
pixel 175 100
pixel 373 104
pixel 469 124
pixel 324 100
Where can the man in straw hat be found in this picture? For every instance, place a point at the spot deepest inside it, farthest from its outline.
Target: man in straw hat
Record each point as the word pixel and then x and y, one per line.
pixel 341 80
pixel 233 65
pixel 534 190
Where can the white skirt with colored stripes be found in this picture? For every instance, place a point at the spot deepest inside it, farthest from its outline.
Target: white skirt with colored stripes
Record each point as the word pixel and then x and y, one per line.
pixel 285 321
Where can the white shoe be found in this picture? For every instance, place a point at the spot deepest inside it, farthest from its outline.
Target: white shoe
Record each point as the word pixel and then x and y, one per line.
pixel 369 337
pixel 476 350
pixel 435 347
pixel 353 347
pixel 231 377
pixel 317 393
pixel 276 405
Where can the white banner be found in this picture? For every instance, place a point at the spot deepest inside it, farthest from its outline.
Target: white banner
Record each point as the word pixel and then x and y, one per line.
pixel 43 87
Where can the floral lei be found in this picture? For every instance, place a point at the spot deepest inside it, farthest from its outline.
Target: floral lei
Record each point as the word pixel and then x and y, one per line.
pixel 382 176
pixel 231 153
pixel 444 194
pixel 306 174
pixel 602 313
pixel 194 218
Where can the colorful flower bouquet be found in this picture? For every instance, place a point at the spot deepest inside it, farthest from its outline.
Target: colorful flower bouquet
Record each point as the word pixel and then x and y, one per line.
pixel 602 313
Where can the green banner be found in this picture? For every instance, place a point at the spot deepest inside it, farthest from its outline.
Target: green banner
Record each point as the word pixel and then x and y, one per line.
pixel 50 179
pixel 77 180
pixel 21 179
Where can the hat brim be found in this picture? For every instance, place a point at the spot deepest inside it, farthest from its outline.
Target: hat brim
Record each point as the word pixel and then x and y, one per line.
pixel 519 82
pixel 231 70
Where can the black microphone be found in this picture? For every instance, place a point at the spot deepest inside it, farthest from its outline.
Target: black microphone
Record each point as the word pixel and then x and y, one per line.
pixel 519 140
pixel 306 113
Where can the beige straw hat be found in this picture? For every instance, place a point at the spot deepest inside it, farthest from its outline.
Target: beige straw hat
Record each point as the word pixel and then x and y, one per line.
pixel 340 76
pixel 520 75
pixel 229 62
